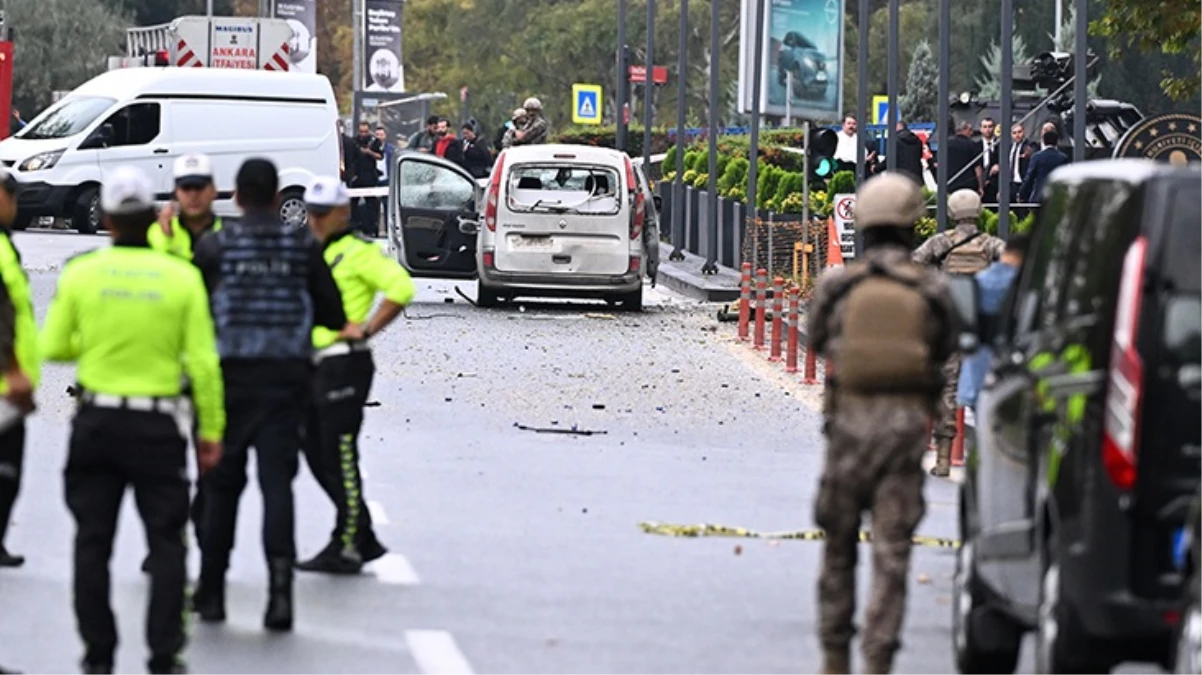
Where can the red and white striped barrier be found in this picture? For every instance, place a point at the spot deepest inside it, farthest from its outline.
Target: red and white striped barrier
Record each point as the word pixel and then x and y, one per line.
pixel 761 300
pixel 792 330
pixel 778 310
pixel 745 303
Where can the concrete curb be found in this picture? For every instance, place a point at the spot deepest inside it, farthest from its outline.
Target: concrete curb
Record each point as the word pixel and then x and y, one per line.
pixel 685 277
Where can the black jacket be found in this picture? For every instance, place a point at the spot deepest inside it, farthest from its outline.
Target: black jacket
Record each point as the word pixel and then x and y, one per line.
pixel 909 155
pixel 1043 163
pixel 476 157
pixel 961 152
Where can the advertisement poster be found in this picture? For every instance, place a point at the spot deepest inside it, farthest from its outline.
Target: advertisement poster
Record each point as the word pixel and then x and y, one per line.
pixel 382 68
pixel 301 16
pixel 803 48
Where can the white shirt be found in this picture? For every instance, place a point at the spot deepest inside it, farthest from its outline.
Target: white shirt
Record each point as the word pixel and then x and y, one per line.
pixel 845 151
pixel 987 159
pixel 1016 152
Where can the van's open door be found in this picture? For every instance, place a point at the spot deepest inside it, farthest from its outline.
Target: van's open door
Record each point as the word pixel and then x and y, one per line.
pixel 433 214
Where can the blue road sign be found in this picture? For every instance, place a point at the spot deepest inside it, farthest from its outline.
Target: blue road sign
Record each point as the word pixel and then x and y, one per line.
pixel 586 104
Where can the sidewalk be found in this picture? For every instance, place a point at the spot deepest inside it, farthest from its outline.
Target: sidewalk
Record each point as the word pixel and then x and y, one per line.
pixel 685 277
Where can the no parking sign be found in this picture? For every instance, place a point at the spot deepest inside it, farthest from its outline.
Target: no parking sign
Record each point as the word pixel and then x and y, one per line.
pixel 845 224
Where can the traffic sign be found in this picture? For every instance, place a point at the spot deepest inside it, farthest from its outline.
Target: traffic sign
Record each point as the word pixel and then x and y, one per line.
pixel 586 104
pixel 659 74
pixel 880 109
pixel 845 224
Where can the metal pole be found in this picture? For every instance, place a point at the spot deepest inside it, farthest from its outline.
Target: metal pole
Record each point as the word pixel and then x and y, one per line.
pixel 209 9
pixel 941 129
pixel 1082 80
pixel 356 57
pixel 682 66
pixel 894 65
pixel 649 87
pixel 788 104
pixel 754 154
pixel 1003 160
pixel 1059 20
pixel 623 78
pixel 711 266
pixel 862 90
pixel 805 189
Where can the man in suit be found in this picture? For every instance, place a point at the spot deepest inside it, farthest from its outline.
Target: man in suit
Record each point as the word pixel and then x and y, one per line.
pixel 989 160
pixel 1020 157
pixel 1042 164
pixel 962 153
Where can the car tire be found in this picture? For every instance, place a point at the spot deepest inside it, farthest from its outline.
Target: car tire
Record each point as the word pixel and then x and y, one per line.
pixel 292 207
pixel 486 297
pixel 983 638
pixel 86 217
pixel 1187 652
pixel 21 223
pixel 1059 645
pixel 632 301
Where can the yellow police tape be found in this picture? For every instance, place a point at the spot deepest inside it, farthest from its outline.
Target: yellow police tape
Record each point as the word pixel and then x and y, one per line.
pixel 707 530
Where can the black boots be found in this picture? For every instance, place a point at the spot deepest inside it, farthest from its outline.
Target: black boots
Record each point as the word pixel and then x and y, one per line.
pixel 208 600
pixel 9 560
pixel 279 599
pixel 333 559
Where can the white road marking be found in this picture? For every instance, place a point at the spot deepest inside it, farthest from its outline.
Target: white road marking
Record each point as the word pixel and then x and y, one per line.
pixel 378 515
pixel 436 653
pixel 394 569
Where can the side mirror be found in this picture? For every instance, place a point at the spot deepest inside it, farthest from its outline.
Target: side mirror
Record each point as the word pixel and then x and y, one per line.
pixel 965 299
pixel 469 226
pixel 659 202
pixel 99 138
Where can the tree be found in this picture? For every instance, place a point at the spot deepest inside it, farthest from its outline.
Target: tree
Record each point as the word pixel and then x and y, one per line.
pixel 913 22
pixel 921 99
pixel 989 85
pixel 1168 27
pixel 1068 44
pixel 41 63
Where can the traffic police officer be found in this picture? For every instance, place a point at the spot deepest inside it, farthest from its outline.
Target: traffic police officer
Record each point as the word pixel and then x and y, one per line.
pixel 21 365
pixel 344 373
pixel 269 287
pixel 176 234
pixel 195 193
pixel 885 322
pixel 135 321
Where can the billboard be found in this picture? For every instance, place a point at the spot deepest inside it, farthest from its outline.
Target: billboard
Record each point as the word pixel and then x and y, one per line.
pixel 803 49
pixel 301 16
pixel 383 70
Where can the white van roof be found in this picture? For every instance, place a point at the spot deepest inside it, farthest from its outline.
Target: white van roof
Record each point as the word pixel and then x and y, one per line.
pixel 581 153
pixel 128 83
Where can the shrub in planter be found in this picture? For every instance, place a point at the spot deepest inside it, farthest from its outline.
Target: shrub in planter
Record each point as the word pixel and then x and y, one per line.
pixel 721 164
pixel 668 177
pixel 925 228
pixel 820 205
pixel 689 176
pixel 734 175
pixel 791 183
pixel 702 181
pixel 670 158
pixel 737 193
pixel 791 204
pixel 769 179
pixel 1024 226
pixel 843 182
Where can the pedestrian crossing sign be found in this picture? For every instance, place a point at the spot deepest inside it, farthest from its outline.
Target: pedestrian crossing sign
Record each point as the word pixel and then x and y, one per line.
pixel 586 104
pixel 880 109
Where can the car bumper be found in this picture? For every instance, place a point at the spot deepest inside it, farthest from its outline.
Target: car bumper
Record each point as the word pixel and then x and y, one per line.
pixel 576 285
pixel 1116 614
pixel 37 199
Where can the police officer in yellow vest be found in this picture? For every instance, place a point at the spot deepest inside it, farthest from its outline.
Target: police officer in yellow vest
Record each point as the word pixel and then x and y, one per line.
pixel 135 321
pixel 21 363
pixel 195 193
pixel 344 373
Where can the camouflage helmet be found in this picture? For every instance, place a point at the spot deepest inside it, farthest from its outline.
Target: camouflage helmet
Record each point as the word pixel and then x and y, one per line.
pixel 964 205
pixel 519 113
pixel 533 104
pixel 889 200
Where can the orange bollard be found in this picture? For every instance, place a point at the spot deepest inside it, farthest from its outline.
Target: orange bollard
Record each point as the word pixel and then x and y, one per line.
pixel 761 301
pixel 792 331
pixel 958 441
pixel 745 303
pixel 810 375
pixel 778 311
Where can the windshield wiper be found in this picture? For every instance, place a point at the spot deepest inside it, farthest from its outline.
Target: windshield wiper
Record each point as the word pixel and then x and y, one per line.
pixel 558 208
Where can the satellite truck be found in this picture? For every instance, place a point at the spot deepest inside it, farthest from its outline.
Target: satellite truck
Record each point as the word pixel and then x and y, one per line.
pixel 250 43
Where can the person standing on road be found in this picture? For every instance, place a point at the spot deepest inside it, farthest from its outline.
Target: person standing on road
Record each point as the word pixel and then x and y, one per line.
pixel 268 287
pixel 994 283
pixel 424 140
pixel 962 250
pixel 19 360
pixel 887 325
pixel 135 321
pixel 537 127
pixel 344 374
pixel 177 235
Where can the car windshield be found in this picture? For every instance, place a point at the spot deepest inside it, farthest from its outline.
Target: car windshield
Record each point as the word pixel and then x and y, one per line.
pixel 71 116
pixel 562 188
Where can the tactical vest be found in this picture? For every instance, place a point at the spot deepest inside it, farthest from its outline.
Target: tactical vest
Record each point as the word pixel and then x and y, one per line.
pixel 261 304
pixel 884 346
pixel 967 255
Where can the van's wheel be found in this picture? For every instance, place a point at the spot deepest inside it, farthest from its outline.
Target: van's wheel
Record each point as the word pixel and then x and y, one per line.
pixel 1059 647
pixel 632 301
pixel 292 207
pixel 21 222
pixel 985 640
pixel 86 216
pixel 486 297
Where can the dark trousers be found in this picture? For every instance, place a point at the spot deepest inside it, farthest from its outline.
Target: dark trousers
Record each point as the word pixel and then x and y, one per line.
pixel 340 388
pixel 12 461
pixel 264 404
pixel 110 450
pixel 367 216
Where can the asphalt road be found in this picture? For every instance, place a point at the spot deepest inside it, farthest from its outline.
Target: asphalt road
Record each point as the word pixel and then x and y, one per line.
pixel 513 550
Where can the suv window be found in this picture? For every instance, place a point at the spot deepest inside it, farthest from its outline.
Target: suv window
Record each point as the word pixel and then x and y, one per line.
pixel 137 124
pixel 1096 263
pixel 424 185
pixel 1033 302
pixel 1184 238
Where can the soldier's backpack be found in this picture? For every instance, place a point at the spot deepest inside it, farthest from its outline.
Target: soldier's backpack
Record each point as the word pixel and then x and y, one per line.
pixel 967 255
pixel 883 345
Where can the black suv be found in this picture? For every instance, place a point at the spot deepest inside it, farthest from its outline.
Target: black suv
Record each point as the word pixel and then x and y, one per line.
pixel 1084 456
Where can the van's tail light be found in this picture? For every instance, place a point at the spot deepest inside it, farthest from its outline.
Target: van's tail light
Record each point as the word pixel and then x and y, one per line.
pixel 494 194
pixel 639 213
pixel 1125 389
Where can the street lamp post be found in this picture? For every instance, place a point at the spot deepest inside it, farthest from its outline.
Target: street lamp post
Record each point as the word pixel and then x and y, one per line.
pixel 620 135
pixel 711 265
pixel 757 71
pixel 862 89
pixel 941 124
pixel 682 66
pixel 1003 158
pixel 1081 68
pixel 649 86
pixel 894 59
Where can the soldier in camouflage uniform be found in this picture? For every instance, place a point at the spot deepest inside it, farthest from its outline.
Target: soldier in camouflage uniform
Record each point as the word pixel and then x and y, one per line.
pixel 518 123
pixel 963 250
pixel 537 128
pixel 886 323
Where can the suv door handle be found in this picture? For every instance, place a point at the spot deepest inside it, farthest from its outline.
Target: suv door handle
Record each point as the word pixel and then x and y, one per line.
pixel 161 151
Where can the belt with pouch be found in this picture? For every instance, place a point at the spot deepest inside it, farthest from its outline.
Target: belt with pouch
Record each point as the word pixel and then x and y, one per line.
pixel 341 349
